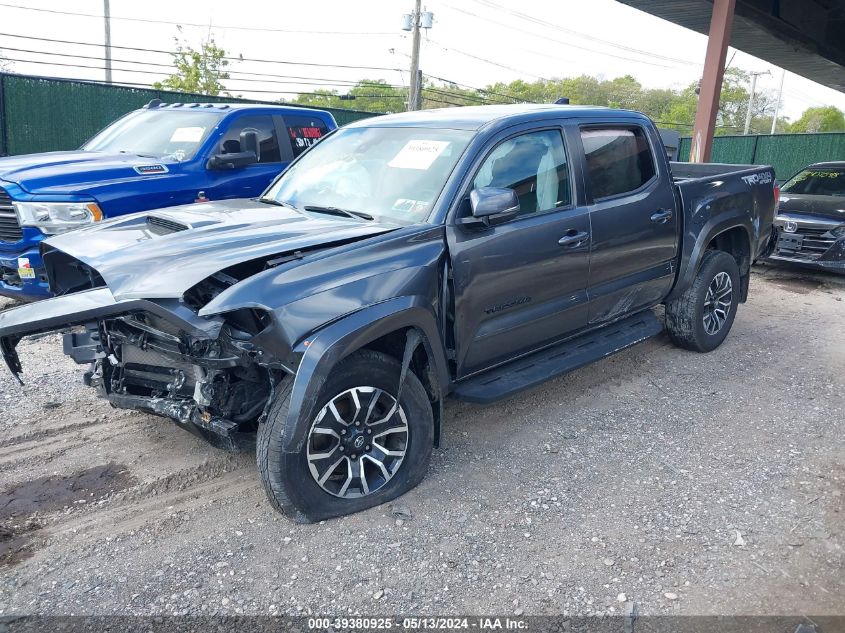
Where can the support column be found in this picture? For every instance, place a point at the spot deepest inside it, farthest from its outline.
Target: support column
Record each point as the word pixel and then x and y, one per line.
pixel 711 82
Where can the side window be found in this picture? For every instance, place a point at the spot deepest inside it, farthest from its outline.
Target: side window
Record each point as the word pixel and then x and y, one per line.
pixel 304 132
pixel 619 160
pixel 535 166
pixel 267 139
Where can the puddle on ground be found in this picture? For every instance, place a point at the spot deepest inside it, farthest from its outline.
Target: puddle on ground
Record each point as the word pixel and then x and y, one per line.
pixel 47 494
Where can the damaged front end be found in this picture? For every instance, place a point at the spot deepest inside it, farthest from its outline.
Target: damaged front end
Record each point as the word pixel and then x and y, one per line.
pixel 206 373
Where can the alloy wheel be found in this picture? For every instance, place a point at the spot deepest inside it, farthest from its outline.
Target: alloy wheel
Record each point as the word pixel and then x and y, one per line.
pixel 357 442
pixel 717 303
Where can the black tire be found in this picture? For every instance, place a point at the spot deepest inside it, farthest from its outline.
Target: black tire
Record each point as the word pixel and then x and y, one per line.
pixel 685 315
pixel 287 478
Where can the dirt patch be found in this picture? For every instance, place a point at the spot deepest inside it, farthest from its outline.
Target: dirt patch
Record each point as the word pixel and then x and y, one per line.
pixel 16 542
pixel 20 502
pixel 56 492
pixel 798 286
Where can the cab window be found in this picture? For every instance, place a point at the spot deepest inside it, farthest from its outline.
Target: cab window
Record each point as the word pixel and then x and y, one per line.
pixel 535 166
pixel 304 132
pixel 619 160
pixel 267 139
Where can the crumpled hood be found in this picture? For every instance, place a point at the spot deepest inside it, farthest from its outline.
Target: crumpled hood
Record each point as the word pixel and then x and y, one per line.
pixel 829 207
pixel 139 258
pixel 57 173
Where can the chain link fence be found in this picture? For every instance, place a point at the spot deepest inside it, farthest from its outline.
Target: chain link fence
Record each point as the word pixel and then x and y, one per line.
pixel 41 114
pixel 787 153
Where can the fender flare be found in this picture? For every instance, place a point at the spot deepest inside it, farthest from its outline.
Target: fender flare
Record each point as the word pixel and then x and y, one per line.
pixel 713 227
pixel 339 339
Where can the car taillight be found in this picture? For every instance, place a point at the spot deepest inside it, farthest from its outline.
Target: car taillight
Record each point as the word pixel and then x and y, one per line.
pixel 777 195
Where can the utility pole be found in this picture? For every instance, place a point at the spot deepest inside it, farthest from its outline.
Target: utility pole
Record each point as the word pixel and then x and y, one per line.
pixel 107 18
pixel 751 99
pixel 414 22
pixel 777 104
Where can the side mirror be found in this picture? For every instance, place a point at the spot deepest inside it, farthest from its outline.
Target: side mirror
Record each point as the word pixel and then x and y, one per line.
pixel 250 153
pixel 493 205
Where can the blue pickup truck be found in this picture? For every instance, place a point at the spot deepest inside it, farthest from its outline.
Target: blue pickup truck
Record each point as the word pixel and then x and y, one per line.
pixel 159 156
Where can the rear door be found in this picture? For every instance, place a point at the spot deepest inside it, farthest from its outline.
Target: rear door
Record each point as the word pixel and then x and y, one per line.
pixel 523 284
pixel 251 180
pixel 635 228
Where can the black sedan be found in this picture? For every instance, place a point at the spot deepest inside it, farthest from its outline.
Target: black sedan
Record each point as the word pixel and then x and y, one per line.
pixel 811 218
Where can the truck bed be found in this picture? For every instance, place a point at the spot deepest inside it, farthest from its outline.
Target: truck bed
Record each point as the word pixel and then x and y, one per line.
pixel 693 171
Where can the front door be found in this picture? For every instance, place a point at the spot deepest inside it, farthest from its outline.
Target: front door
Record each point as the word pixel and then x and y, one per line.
pixel 251 180
pixel 522 284
pixel 633 218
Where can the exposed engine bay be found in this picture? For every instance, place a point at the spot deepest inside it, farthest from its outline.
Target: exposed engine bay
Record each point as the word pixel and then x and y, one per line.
pixel 211 387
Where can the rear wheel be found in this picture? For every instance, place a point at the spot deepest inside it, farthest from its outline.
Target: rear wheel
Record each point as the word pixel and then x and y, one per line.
pixel 702 316
pixel 361 446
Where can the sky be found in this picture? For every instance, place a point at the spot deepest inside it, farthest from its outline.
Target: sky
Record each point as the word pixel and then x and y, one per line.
pixel 472 42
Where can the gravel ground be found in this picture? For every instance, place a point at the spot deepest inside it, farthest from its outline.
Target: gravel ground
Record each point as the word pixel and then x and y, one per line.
pixel 687 483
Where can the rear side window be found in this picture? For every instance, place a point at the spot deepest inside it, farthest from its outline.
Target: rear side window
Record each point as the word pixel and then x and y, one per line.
pixel 267 139
pixel 619 160
pixel 304 132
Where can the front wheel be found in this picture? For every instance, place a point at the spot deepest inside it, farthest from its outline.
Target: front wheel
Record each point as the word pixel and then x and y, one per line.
pixel 701 317
pixel 360 445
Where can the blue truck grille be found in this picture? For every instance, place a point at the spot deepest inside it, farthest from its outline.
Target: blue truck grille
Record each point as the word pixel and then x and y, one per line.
pixel 10 230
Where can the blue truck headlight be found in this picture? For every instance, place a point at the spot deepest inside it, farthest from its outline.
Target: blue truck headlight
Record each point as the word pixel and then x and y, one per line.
pixel 57 217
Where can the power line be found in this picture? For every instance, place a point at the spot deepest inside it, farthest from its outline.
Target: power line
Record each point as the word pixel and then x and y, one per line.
pixel 457 95
pixel 143 85
pixel 204 26
pixel 231 58
pixel 556 41
pixel 486 61
pixel 272 77
pixel 484 90
pixel 558 27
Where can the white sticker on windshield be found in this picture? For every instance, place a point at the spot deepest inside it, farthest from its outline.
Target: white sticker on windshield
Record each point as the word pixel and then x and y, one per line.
pixel 418 154
pixel 187 135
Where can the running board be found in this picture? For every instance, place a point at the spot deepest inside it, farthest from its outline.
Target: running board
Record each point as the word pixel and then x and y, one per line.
pixel 530 371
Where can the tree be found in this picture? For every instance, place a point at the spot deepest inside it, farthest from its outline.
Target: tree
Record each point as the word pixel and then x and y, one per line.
pixel 369 95
pixel 197 71
pixel 820 119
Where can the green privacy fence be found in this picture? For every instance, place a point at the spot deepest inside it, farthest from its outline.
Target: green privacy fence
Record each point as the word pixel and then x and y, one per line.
pixel 41 114
pixel 787 153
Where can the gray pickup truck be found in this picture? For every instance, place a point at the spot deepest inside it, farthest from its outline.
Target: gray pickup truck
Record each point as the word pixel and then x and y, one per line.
pixel 468 252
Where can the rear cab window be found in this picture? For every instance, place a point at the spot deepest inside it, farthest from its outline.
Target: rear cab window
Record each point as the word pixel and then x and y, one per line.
pixel 618 158
pixel 304 131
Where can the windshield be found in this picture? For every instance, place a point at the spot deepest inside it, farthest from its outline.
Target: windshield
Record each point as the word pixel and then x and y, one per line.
pixel 817 182
pixel 391 174
pixel 165 135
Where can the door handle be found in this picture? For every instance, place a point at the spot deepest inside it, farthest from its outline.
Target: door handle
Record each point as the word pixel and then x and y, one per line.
pixel 573 238
pixel 662 216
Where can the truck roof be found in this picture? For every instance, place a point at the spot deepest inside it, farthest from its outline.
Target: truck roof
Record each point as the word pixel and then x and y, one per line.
pixel 231 107
pixel 476 117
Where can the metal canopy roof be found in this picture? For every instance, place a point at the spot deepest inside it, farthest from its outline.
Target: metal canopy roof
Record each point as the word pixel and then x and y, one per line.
pixel 807 37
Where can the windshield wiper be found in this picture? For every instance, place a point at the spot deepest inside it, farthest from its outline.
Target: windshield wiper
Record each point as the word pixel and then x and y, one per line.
pixel 338 211
pixel 277 203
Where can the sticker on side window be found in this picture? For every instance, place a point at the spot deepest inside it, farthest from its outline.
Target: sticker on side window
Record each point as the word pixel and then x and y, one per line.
pixel 418 154
pixel 187 135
